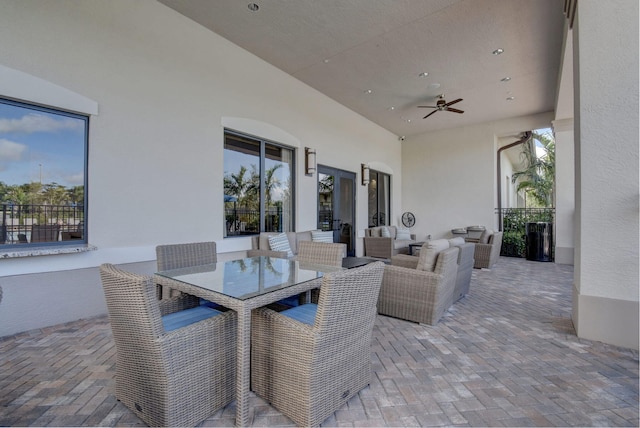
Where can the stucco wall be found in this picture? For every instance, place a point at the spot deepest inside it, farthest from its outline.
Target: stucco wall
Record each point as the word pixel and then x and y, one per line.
pixel 165 88
pixel 607 186
pixel 453 174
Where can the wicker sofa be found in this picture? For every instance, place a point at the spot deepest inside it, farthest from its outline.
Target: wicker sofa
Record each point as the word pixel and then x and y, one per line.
pixel 378 245
pixel 260 245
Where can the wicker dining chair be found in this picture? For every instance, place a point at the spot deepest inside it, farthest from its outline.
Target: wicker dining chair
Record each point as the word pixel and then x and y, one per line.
pixel 176 256
pixel 308 361
pixel 322 253
pixel 168 373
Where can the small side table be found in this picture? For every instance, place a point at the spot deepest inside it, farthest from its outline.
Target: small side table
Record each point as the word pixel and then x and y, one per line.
pixel 415 245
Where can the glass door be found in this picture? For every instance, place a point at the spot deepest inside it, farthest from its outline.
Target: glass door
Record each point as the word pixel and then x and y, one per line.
pixel 336 205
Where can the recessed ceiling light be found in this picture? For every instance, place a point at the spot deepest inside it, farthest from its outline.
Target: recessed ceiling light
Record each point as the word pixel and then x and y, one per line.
pixel 505 79
pixel 408 120
pixel 391 108
pixel 511 98
pixel 326 60
pixel 368 91
pixel 423 74
pixel 434 85
pixel 253 7
pixel 498 51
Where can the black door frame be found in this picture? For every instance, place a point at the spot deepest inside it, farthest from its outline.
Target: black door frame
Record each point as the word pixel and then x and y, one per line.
pixel 337 226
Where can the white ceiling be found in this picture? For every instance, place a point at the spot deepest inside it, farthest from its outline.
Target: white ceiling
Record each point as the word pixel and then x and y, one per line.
pixel 344 48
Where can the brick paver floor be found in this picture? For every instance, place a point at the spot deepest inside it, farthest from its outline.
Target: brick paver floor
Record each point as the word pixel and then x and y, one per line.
pixel 504 355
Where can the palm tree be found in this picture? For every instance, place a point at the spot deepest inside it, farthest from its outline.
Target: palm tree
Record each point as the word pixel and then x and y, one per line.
pixel 537 179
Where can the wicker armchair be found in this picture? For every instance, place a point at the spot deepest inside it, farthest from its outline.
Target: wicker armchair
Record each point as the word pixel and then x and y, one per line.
pixel 310 360
pixel 176 256
pixel 465 268
pixel 169 371
pixel 413 294
pixel 487 250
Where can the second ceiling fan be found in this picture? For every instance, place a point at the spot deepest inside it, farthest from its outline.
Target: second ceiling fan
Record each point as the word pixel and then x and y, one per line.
pixel 443 105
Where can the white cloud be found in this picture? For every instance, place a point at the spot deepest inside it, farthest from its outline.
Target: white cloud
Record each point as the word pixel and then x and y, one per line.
pixel 38 123
pixel 10 151
pixel 75 180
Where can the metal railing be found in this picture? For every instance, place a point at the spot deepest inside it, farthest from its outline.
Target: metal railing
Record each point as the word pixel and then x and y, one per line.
pixel 244 221
pixel 26 223
pixel 513 224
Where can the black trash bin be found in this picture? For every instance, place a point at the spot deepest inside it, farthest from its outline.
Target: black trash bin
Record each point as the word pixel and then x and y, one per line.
pixel 540 241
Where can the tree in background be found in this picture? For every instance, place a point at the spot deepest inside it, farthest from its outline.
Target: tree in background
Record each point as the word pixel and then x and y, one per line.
pixel 537 179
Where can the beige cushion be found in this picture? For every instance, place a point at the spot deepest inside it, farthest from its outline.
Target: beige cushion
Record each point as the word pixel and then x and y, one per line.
pixel 403 234
pixel 484 237
pixel 455 242
pixel 263 241
pixel 320 236
pixel 375 232
pixel 429 254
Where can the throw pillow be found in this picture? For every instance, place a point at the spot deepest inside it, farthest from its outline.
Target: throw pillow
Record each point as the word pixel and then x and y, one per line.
pixel 455 242
pixel 403 235
pixel 384 232
pixel 280 242
pixel 374 232
pixel 320 236
pixel 429 254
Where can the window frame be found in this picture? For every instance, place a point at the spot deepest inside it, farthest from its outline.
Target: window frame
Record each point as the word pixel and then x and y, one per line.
pixel 263 142
pixel 85 118
pixel 386 221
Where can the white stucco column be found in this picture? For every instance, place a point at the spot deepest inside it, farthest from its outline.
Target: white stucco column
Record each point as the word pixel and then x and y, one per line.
pixel 605 302
pixel 565 191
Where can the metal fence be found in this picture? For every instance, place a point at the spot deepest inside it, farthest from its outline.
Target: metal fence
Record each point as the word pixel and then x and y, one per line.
pixel 513 224
pixel 244 221
pixel 25 223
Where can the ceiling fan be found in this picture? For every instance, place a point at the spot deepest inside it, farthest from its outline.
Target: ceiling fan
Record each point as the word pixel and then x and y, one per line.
pixel 443 105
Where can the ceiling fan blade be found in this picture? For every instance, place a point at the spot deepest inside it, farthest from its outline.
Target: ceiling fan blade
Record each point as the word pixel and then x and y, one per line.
pixel 428 106
pixel 455 110
pixel 435 111
pixel 453 102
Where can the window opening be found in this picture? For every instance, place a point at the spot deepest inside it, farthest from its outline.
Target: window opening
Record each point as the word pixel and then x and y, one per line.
pixel 43 175
pixel 258 185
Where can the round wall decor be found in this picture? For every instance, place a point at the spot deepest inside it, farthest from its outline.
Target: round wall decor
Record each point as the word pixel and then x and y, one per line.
pixel 408 219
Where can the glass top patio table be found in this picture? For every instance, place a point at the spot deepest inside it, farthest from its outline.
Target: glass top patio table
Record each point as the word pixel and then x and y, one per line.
pixel 243 285
pixel 247 278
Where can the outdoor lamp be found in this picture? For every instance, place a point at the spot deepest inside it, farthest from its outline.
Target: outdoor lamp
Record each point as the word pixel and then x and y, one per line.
pixel 364 168
pixel 309 161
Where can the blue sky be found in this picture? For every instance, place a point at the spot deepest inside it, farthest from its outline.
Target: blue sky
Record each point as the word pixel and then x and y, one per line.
pixel 34 142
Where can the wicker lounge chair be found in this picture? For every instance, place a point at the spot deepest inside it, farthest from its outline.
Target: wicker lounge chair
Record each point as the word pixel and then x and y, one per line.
pixel 175 256
pixel 487 250
pixel 411 293
pixel 45 232
pixel 168 377
pixel 310 360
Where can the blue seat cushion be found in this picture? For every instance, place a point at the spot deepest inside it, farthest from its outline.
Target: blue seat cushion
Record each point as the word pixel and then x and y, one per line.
pixel 204 302
pixel 304 313
pixel 184 318
pixel 290 301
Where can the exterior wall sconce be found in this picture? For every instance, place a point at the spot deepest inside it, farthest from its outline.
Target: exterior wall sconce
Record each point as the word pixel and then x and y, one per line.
pixel 309 161
pixel 364 169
